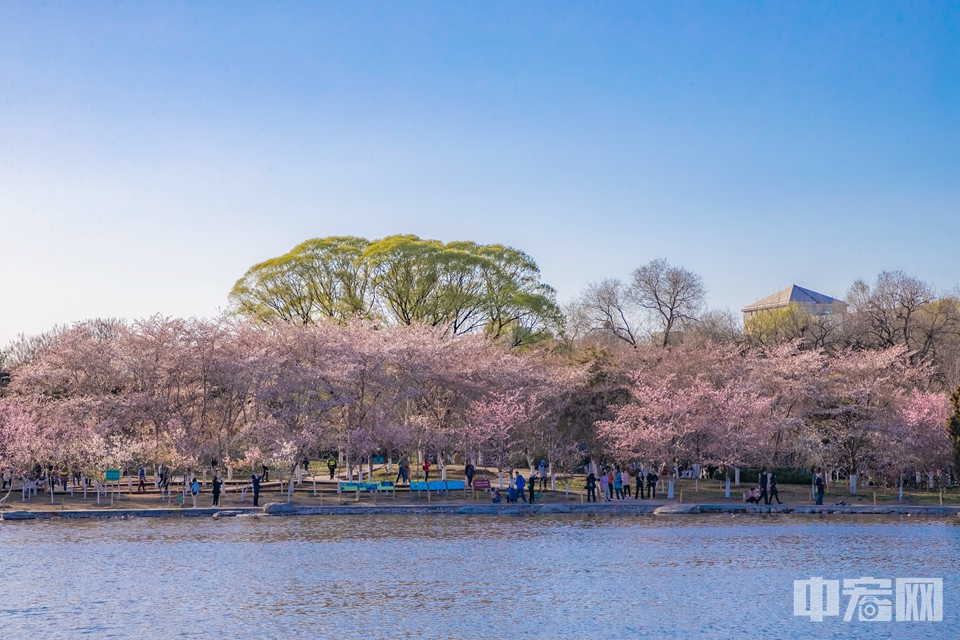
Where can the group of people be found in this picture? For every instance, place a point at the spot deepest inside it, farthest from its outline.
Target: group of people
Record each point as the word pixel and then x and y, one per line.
pixel 766 490
pixel 520 489
pixel 615 484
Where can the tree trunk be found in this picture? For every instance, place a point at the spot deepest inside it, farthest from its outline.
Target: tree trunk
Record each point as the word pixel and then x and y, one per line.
pixel 293 470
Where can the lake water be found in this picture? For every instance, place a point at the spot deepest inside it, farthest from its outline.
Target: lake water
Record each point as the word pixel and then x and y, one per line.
pixel 711 576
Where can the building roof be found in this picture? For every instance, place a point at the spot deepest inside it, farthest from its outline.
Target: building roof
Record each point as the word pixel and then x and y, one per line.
pixel 788 295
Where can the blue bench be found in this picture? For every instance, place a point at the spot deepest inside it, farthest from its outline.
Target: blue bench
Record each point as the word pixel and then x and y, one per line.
pixel 438 486
pixel 353 487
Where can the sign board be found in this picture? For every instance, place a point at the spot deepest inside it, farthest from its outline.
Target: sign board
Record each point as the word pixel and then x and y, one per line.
pixel 113 475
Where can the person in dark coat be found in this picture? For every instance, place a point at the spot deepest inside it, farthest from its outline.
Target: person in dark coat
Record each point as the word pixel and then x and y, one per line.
pixel 819 484
pixel 217 484
pixel 652 479
pixel 255 481
pixel 774 494
pixel 468 472
pixel 763 487
pixel 591 487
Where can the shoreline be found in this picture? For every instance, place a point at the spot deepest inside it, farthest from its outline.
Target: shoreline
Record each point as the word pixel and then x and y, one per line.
pixel 648 509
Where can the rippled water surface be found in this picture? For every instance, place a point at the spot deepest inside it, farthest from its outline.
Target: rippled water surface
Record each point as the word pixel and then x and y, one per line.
pixel 458 576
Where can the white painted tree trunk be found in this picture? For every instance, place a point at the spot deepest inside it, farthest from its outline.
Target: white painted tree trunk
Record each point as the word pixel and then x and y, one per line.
pixel 930 475
pixel 853 484
pixel 296 466
pixel 736 476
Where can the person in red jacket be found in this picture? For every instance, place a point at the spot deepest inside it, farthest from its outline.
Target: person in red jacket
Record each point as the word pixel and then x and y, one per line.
pixel 426 471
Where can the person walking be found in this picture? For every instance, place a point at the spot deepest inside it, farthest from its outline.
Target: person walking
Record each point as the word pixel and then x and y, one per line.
pixel 402 471
pixel 819 485
pixel 532 486
pixel 774 494
pixel 165 483
pixel 265 477
pixel 625 481
pixel 255 481
pixel 142 476
pixel 468 471
pixel 520 484
pixel 543 473
pixel 604 486
pixel 639 494
pixel 426 471
pixel 591 487
pixel 763 487
pixel 194 491
pixel 331 466
pixel 217 484
pixel 618 484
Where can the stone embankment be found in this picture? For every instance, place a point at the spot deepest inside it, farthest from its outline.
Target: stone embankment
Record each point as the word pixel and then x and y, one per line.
pixel 616 508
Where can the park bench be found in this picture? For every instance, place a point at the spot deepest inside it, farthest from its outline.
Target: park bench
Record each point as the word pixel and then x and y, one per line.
pixel 353 487
pixel 439 485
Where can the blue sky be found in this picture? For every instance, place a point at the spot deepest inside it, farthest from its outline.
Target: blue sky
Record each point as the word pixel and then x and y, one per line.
pixel 150 153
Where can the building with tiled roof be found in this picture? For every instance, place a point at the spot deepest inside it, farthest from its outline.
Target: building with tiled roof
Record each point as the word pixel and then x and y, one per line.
pixel 810 301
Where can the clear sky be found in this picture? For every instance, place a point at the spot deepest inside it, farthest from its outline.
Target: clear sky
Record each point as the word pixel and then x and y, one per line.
pixel 151 152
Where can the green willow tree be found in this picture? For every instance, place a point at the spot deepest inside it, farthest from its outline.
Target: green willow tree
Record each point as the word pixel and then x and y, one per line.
pixel 464 287
pixel 323 278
